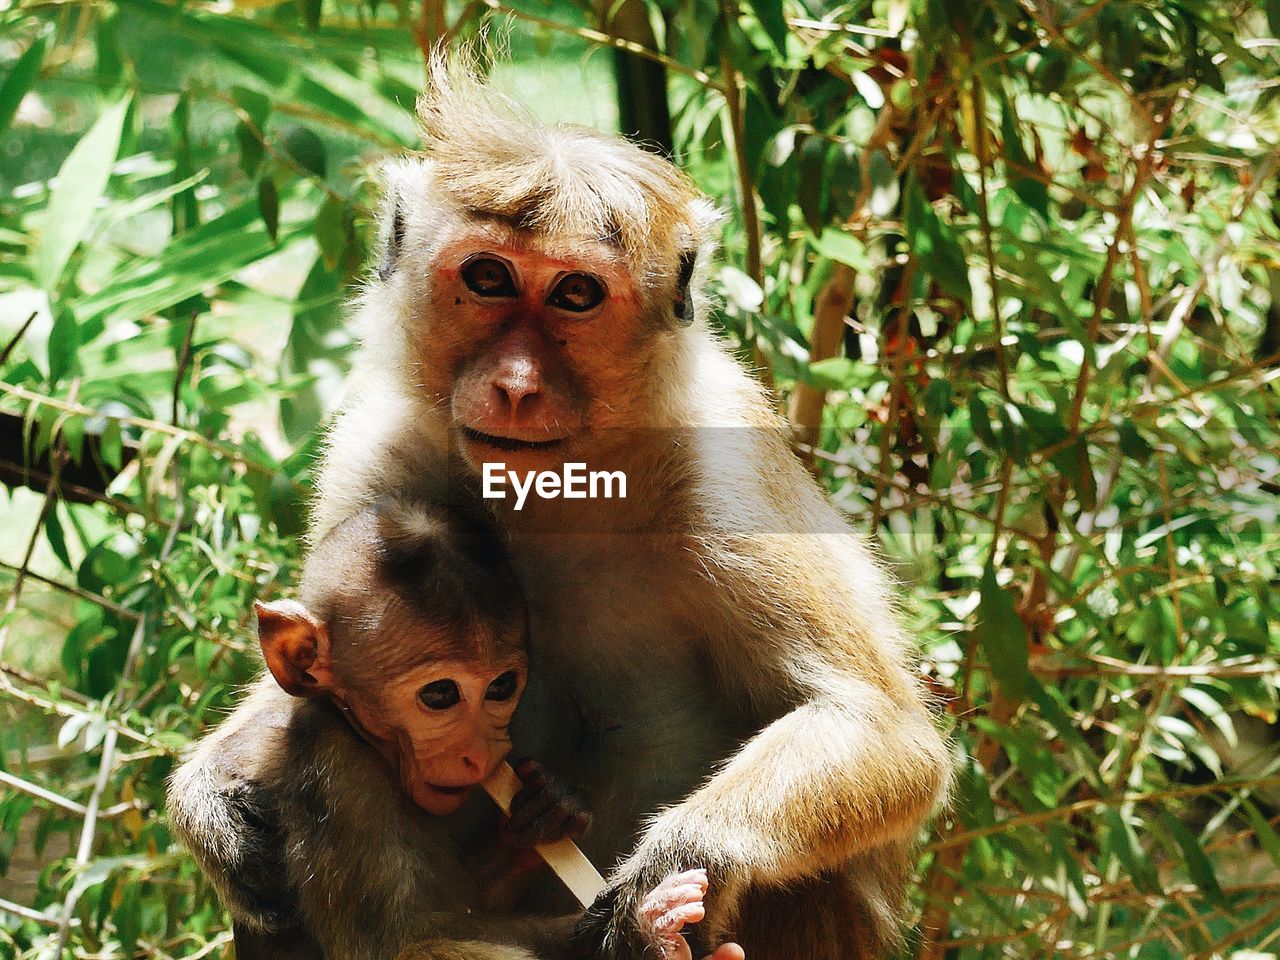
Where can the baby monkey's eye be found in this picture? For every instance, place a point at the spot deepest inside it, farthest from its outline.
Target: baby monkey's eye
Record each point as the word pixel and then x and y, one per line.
pixel 504 688
pixel 577 293
pixel 440 694
pixel 489 277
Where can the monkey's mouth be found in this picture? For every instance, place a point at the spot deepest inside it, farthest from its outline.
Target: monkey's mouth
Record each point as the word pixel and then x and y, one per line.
pixel 448 791
pixel 509 443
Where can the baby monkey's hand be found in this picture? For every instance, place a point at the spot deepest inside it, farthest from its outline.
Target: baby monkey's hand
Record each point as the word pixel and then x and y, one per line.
pixel 674 902
pixel 545 809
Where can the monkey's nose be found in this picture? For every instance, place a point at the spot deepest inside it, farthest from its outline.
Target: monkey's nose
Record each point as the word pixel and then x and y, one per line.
pixel 515 396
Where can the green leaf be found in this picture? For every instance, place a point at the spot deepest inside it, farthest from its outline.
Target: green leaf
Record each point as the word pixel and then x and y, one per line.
pixel 1032 192
pixel 835 244
pixel 1155 629
pixel 309 10
pixel 935 244
pixel 1073 463
pixel 251 132
pixel 305 149
pixel 19 81
pixel 844 179
pixel 810 188
pixel 840 373
pixel 64 345
pixel 1213 711
pixel 1001 633
pixel 980 421
pixel 1199 867
pixel 269 206
pixel 81 181
pixel 110 67
pixel 1263 832
pixel 1273 17
pixel 1123 843
pixel 770 15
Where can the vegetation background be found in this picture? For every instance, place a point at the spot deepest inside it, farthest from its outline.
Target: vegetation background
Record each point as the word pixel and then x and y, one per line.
pixel 1013 265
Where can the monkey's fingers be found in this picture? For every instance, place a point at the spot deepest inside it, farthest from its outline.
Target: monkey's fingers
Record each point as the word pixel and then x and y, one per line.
pixel 668 898
pixel 675 889
pixel 545 809
pixel 674 920
pixel 530 811
pixel 727 951
pixel 531 773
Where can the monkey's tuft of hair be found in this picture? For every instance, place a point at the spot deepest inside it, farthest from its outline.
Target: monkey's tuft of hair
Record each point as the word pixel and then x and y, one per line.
pixel 486 150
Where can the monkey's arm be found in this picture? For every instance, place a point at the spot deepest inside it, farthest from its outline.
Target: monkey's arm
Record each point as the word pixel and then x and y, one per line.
pixel 849 762
pixel 221 806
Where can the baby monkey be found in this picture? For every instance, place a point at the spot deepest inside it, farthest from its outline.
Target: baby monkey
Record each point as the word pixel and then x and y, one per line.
pixel 407 651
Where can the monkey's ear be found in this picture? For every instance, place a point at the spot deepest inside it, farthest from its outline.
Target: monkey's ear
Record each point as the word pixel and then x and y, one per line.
pixel 295 646
pixel 682 308
pixel 395 240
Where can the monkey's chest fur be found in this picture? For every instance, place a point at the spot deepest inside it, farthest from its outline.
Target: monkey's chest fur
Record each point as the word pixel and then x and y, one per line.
pixel 623 701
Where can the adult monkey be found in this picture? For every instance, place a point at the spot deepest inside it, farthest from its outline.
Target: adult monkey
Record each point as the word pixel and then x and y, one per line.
pixel 538 303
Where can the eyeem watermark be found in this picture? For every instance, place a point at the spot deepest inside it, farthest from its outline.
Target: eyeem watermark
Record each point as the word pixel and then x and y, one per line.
pixel 574 482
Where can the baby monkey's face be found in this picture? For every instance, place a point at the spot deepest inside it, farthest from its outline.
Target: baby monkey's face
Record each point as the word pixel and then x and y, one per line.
pixel 441 721
pixel 443 725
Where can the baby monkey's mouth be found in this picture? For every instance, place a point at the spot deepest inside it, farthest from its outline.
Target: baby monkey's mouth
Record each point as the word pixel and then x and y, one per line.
pixel 449 791
pixel 509 443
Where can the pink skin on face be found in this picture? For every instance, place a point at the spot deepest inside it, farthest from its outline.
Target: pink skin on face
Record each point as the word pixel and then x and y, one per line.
pixel 517 392
pixel 441 754
pixel 674 902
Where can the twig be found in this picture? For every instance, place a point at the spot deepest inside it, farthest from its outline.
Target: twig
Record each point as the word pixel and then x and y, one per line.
pixel 58 800
pixel 17 337
pixel 73 590
pixel 27 913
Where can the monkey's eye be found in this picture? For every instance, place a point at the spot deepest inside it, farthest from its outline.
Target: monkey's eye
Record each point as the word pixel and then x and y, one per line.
pixel 504 688
pixel 489 278
pixel 577 293
pixel 440 695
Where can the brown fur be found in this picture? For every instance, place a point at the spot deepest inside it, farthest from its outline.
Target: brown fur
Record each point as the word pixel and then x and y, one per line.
pixel 733 688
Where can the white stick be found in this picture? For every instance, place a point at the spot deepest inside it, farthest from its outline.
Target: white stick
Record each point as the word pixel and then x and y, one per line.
pixel 563 856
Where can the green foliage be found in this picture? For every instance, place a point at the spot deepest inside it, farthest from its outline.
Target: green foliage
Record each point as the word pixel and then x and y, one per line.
pixel 1054 398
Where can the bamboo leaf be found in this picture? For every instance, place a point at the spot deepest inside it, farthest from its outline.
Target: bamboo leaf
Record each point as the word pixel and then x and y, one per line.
pixel 1002 634
pixel 17 84
pixel 1199 867
pixel 81 181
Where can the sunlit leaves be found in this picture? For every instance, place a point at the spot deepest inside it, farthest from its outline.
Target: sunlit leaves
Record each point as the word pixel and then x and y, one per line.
pixel 1076 491
pixel 80 183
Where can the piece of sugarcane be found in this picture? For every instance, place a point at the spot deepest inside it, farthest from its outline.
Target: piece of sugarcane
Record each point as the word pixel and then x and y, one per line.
pixel 563 856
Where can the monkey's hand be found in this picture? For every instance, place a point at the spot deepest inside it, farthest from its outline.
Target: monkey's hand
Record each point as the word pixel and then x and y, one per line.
pixel 673 904
pixel 615 927
pixel 545 809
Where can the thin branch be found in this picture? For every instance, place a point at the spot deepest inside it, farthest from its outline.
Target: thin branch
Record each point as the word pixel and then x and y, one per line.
pixel 17 337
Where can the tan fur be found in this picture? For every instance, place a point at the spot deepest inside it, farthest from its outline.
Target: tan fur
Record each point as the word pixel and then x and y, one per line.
pixel 717 660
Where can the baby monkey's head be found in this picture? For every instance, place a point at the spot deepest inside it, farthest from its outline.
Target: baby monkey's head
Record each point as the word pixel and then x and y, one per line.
pixel 410 620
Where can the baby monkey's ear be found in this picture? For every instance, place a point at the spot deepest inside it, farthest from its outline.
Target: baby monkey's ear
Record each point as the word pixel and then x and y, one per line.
pixel 296 647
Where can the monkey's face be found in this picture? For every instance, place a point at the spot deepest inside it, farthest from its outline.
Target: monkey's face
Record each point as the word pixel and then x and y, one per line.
pixel 537 352
pixel 444 726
